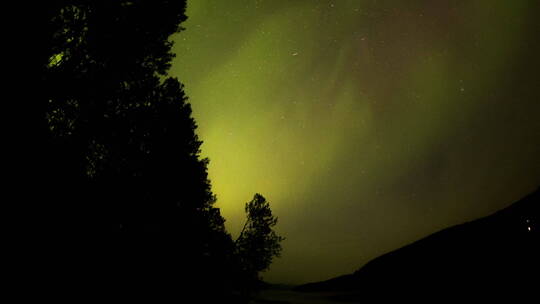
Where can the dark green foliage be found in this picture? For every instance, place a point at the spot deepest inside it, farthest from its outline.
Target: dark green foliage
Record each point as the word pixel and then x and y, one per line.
pixel 258 243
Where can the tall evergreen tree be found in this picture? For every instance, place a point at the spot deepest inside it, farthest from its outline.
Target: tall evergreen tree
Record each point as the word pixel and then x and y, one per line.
pixel 123 127
pixel 121 147
pixel 121 190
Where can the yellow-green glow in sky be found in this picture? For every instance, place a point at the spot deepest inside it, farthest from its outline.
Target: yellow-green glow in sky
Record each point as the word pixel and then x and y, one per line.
pixel 366 124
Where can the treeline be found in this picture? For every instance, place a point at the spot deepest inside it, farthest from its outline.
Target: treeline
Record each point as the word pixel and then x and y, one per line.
pixel 117 148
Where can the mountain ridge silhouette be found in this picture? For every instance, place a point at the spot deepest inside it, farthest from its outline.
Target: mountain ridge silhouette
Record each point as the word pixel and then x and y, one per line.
pixel 491 256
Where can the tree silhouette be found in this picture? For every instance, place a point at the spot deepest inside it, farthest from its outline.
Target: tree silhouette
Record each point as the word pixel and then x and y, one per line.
pixel 116 122
pixel 118 147
pixel 258 243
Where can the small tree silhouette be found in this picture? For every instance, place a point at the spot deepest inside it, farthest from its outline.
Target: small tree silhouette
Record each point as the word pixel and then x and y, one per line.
pixel 258 243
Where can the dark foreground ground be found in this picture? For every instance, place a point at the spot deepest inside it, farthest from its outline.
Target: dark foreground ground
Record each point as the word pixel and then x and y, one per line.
pixel 277 295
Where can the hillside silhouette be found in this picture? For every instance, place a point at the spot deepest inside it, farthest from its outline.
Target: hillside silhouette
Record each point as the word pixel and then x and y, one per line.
pixel 491 257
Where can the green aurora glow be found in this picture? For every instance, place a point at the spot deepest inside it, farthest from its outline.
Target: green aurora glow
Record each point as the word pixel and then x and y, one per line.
pixel 367 124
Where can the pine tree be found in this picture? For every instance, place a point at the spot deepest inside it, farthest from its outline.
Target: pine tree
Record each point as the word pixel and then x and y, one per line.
pixel 121 147
pixel 120 123
pixel 258 244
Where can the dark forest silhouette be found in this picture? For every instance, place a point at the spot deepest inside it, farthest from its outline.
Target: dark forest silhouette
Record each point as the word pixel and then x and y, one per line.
pixel 117 144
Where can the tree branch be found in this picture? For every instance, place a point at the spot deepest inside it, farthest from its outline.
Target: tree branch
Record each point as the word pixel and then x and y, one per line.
pixel 242 232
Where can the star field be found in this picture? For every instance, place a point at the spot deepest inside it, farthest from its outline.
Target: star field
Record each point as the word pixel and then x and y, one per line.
pixel 366 124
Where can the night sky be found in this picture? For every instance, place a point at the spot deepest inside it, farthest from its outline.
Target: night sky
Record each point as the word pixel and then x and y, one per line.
pixel 366 124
